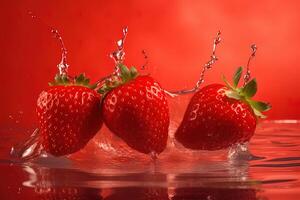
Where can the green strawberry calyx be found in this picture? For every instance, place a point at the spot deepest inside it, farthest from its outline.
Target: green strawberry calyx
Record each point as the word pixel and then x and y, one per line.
pixel 80 80
pixel 124 76
pixel 245 93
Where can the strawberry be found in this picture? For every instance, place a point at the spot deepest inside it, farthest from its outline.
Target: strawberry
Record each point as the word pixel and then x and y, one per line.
pixel 219 116
pixel 68 115
pixel 135 109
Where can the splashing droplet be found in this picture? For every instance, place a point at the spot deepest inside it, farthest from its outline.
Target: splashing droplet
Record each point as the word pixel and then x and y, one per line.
pixel 153 155
pixel 32 15
pixel 119 54
pixel 207 66
pixel 62 66
pixel 247 76
pixel 30 149
pixel 241 152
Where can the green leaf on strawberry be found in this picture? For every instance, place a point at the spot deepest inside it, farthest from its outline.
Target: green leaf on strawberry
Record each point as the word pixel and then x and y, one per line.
pixel 261 106
pixel 237 76
pixel 115 81
pixel 250 89
pixel 245 93
pixel 233 94
pixel 133 72
pixel 80 80
pixel 60 80
pixel 227 83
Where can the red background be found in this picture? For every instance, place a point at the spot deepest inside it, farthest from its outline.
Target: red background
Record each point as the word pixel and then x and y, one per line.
pixel 177 36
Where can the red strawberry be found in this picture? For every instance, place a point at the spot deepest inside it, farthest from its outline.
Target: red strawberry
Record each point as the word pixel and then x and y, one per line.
pixel 136 109
pixel 69 115
pixel 219 116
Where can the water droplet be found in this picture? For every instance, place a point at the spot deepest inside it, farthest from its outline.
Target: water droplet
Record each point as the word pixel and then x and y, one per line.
pixel 153 155
pixel 207 66
pixel 240 152
pixel 119 55
pixel 31 14
pixel 62 66
pixel 30 149
pixel 247 76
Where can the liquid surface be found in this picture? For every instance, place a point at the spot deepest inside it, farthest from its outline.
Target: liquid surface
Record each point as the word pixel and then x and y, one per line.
pixel 108 169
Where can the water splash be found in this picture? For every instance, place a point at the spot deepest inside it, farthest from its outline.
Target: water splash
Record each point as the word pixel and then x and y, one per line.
pixel 30 149
pixel 240 152
pixel 153 155
pixel 119 55
pixel 247 76
pixel 207 66
pixel 63 65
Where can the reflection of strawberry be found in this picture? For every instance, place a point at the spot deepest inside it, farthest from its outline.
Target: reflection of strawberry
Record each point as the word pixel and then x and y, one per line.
pixel 135 109
pixel 139 193
pixel 219 116
pixel 69 115
pixel 60 184
pixel 215 193
pixel 68 193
